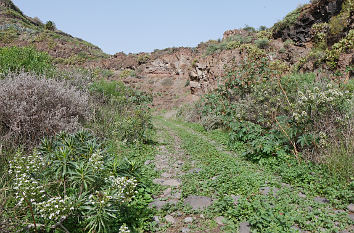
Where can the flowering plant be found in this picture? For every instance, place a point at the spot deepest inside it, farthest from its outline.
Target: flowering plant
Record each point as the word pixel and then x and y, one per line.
pixel 67 180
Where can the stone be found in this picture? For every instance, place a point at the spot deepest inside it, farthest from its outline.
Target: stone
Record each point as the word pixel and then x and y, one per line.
pixel 321 200
pixel 285 185
pixel 235 198
pixel 245 227
pixel 177 195
pixel 351 216
pixel 179 162
pixel 194 170
pixel 296 228
pixel 173 202
pixel 214 178
pixel 188 220
pixel 158 204
pixel 167 182
pixel 178 213
pixel 302 195
pixel 198 202
pixel 185 230
pixel 266 190
pixel 220 220
pixel 166 175
pixel 147 162
pixel 167 192
pixel 157 219
pixel 350 207
pixel 170 219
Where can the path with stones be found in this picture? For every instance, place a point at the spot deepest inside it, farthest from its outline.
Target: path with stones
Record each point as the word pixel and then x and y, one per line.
pixel 169 162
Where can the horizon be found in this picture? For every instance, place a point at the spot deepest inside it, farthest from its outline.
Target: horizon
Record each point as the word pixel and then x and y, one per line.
pixel 149 26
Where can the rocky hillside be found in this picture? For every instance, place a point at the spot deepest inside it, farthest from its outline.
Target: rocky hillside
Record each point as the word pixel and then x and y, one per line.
pixel 316 36
pixel 21 30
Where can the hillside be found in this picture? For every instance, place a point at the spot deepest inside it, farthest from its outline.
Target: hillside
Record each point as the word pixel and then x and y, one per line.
pixel 253 132
pixel 313 37
pixel 21 30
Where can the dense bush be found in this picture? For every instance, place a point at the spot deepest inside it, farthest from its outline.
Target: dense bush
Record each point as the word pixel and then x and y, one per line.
pixel 27 59
pixel 276 114
pixel 232 42
pixel 262 43
pixel 71 184
pixel 50 25
pixel 34 107
pixel 123 112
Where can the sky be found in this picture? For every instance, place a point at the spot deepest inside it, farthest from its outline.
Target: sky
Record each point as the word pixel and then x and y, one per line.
pixel 133 26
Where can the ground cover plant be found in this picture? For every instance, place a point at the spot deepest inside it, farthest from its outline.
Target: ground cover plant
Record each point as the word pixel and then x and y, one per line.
pixel 72 150
pixel 285 199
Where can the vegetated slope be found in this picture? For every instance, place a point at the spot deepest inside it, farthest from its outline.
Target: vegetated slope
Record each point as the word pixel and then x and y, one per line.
pixel 287 97
pixel 316 36
pixel 17 29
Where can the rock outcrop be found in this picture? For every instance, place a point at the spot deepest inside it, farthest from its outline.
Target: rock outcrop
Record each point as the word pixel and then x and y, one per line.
pixel 319 12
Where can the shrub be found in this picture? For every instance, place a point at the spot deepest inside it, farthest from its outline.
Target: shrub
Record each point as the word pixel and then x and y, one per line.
pixel 127 73
pixel 9 35
pixel 249 28
pixel 122 113
pixel 288 20
pixel 262 43
pixel 50 25
pixel 70 183
pixel 143 58
pixel 27 59
pixel 262 28
pixel 274 113
pixel 33 107
pixel 288 43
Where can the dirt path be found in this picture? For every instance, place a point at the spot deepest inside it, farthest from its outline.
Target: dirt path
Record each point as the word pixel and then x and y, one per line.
pixel 207 188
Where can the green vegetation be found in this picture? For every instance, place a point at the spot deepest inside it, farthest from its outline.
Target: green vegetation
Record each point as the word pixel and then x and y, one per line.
pixel 276 115
pixel 50 25
pixel 57 177
pixel 143 58
pixel 340 22
pixel 27 59
pixel 232 42
pixel 9 35
pixel 127 73
pixel 262 43
pixel 267 146
pixel 273 196
pixel 288 20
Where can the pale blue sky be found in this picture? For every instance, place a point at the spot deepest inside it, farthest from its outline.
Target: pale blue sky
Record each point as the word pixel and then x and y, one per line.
pixel 145 25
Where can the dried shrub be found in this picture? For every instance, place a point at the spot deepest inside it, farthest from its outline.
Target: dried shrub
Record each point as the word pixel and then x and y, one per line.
pixel 34 107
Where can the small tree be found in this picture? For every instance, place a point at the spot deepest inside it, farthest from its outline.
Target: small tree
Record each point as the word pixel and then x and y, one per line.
pixel 50 25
